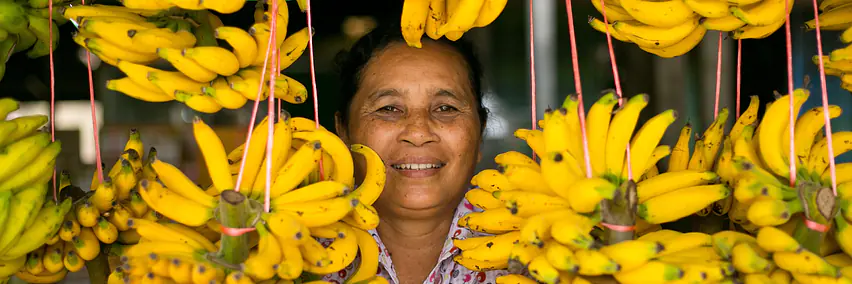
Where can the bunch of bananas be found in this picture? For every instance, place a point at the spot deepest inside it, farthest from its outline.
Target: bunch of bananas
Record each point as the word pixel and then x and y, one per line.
pixel 209 77
pixel 547 216
pixel 29 217
pixel 673 28
pixel 25 26
pixel 450 18
pixel 836 16
pixel 317 225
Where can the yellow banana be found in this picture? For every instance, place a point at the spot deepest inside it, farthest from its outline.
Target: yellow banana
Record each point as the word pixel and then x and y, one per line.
pixel 669 181
pixel 654 36
pixel 764 13
pixel 664 14
pixel 177 182
pixel 461 17
pixel 805 262
pixel 681 47
pixel 323 212
pixel 771 128
pixel 690 199
pixel 622 126
pixel 593 262
pixel 679 160
pixel 413 21
pixel 586 194
pixel 214 58
pixel 343 166
pixel 493 221
pixel 297 167
pixel 709 8
pixel 214 156
pixel 651 272
pixel 597 125
pixel 185 65
pixel 174 206
pixel 646 140
pixel 489 12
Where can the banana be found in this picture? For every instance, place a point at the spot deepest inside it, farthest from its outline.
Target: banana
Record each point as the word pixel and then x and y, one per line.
pixel 709 8
pixel 528 179
pixel 756 32
pixel 477 265
pixel 542 270
pixel 534 139
pixel 646 140
pixel 177 182
pixel 343 166
pixel 765 13
pixel 846 36
pixel 18 154
pixel 173 205
pixel 772 212
pixel 369 252
pixel 226 6
pixel 690 199
pixel 656 37
pixel 838 17
pixel 571 234
pixel 771 130
pixel 597 125
pixel 493 221
pixel 25 126
pixel 622 125
pixel 593 262
pixel 293 47
pixel 585 194
pixel 462 17
pixel 805 262
pixel 670 181
pixel 47 223
pixel 39 170
pixel 185 65
pixel 245 48
pixel 633 253
pixel 171 82
pixel 41 278
pixel 680 48
pixel 773 240
pixel 323 212
pixel 664 14
pixel 363 216
pixel 214 156
pixel 413 21
pixel 53 257
pixel 372 185
pixel 747 259
pixel 261 34
pixel 269 254
pixel 497 249
pixel 296 168
pixel 614 12
pixel 151 39
pixel 215 59
pixel 14 17
pixel 525 204
pixel 118 32
pixel 102 46
pixel 651 272
pixel 489 12
pixel 34 264
pixel 818 159
pixel 515 158
pixel 514 279
pixel 10 267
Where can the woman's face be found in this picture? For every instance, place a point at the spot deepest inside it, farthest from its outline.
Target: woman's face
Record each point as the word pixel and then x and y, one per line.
pixel 415 108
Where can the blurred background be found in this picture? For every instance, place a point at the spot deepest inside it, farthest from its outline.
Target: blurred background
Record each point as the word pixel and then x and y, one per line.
pixel 686 83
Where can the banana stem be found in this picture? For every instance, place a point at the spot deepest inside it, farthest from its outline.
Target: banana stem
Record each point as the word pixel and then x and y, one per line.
pixel 98 268
pixel 233 213
pixel 620 211
pixel 809 239
pixel 203 32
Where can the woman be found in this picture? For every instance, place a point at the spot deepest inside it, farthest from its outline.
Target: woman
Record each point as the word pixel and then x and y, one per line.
pixel 421 111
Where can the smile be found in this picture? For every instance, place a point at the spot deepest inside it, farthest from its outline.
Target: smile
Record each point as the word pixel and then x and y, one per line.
pixel 417 166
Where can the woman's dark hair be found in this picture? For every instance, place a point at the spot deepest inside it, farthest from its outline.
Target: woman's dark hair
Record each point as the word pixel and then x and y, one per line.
pixel 351 64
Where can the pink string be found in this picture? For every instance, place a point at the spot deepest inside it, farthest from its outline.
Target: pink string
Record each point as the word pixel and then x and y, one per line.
pixel 313 77
pixel 792 116
pixel 718 77
pixel 98 162
pixel 270 103
pixel 617 80
pixel 270 43
pixel 532 73
pixel 578 87
pixel 825 113
pixel 52 91
pixel 739 69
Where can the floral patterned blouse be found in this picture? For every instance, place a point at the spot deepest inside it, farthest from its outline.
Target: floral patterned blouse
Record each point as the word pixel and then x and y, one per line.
pixel 445 272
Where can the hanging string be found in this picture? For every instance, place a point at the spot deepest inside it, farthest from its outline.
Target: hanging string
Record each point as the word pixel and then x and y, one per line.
pixel 578 88
pixel 617 80
pixel 832 167
pixel 532 72
pixel 718 77
pixel 270 105
pixel 52 91
pixel 792 116
pixel 270 43
pixel 739 69
pixel 98 163
pixel 314 95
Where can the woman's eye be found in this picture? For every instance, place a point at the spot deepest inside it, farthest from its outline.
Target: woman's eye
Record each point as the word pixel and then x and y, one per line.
pixel 446 108
pixel 388 109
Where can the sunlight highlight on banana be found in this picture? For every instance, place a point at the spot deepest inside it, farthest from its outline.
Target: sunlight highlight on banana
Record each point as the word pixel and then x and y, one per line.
pixel 671 28
pixel 446 18
pixel 213 66
pixel 317 225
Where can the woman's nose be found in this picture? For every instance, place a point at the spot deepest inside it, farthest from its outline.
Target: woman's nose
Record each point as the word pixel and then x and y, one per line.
pixel 418 129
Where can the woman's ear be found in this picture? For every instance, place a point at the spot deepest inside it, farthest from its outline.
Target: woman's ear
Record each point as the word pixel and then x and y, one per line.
pixel 340 127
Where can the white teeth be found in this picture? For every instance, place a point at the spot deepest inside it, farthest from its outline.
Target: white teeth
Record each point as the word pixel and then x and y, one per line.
pixel 416 166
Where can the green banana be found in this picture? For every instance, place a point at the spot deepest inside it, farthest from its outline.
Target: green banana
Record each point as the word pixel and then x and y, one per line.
pixel 41 28
pixel 22 204
pixel 13 17
pixel 5 202
pixel 17 155
pixel 26 39
pixel 48 221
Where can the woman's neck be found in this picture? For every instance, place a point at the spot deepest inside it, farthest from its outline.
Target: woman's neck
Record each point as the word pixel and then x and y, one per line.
pixel 416 243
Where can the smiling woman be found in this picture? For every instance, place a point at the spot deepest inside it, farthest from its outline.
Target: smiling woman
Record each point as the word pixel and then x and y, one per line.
pixel 421 110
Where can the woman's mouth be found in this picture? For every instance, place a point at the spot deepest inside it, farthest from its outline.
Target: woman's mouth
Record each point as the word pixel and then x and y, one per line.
pixel 417 166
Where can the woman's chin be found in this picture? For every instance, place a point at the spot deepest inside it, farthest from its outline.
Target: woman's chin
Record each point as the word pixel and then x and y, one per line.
pixel 418 203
